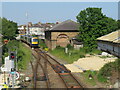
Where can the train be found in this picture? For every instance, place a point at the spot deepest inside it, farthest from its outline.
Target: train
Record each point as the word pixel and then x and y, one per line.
pixel 30 40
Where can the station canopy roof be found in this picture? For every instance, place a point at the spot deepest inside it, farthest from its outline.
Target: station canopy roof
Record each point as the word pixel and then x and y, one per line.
pixel 111 37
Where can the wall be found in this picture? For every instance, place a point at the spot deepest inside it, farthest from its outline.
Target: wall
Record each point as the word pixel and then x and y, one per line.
pixel 109 47
pixel 52 38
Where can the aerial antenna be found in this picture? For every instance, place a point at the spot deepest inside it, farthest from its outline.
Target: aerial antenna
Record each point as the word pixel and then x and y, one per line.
pixel 27 27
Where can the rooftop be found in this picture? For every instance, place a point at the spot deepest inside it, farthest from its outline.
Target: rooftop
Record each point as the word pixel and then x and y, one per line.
pixel 66 25
pixel 112 37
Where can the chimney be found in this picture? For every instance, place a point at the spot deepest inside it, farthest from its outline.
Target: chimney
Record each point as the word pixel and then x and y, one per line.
pixel 57 22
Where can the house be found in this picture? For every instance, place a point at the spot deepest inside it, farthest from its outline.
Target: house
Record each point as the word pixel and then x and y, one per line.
pixel 22 29
pixel 35 29
pixel 61 34
pixel 39 28
pixel 110 43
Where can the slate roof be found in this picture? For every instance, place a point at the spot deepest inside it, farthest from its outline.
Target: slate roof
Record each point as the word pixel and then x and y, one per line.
pixel 111 37
pixel 67 25
pixel 77 42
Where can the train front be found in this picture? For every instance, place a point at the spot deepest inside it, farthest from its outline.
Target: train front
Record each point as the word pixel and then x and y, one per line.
pixel 34 41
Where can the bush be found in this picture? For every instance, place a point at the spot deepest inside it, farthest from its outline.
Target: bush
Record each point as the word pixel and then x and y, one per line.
pixel 69 46
pixel 101 78
pixel 107 69
pixel 59 47
pixel 82 56
pixel 42 43
pixel 96 51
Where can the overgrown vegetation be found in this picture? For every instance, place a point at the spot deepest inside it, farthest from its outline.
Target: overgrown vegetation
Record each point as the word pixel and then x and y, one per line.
pixel 42 44
pixel 107 69
pixel 86 75
pixel 93 24
pixel 104 74
pixel 23 54
pixel 72 55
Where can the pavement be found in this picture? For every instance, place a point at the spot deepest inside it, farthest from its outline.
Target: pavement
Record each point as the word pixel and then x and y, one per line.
pixel 2 78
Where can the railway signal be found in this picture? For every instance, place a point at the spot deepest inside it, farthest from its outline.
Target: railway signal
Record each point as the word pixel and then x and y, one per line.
pixel 12 56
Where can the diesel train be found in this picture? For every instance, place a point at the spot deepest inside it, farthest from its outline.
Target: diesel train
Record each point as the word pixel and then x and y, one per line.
pixel 30 40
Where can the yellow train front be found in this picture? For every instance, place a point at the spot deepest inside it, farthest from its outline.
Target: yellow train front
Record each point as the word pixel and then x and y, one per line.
pixel 34 41
pixel 30 40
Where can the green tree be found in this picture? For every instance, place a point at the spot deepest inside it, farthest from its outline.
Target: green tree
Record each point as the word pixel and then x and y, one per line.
pixel 0 25
pixel 118 24
pixel 93 24
pixel 9 29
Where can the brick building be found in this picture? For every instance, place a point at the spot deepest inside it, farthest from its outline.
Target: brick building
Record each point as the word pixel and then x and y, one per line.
pixel 61 34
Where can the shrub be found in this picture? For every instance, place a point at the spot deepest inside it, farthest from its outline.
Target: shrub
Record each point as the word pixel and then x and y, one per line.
pixel 96 51
pixel 42 44
pixel 101 78
pixel 107 69
pixel 69 46
pixel 82 56
pixel 60 48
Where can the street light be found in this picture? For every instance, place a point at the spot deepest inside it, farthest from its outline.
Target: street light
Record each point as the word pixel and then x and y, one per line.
pixel 16 57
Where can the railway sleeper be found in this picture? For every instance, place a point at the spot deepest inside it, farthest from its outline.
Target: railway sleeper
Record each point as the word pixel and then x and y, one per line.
pixel 60 69
pixel 42 78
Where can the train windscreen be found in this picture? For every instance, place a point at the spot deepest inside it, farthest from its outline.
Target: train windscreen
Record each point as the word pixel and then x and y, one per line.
pixel 35 40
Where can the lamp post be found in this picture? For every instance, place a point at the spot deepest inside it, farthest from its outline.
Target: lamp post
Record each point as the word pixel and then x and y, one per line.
pixel 16 58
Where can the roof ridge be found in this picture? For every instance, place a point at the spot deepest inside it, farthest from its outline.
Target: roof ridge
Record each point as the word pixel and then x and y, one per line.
pixel 66 21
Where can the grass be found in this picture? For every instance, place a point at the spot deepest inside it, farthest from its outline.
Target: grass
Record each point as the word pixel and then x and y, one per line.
pixel 42 44
pixel 26 56
pixel 86 76
pixel 72 55
pixel 23 53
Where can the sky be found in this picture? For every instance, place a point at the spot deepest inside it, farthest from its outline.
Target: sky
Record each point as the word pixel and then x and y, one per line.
pixel 52 11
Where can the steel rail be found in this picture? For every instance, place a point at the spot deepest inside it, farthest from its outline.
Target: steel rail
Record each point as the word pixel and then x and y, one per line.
pixel 38 62
pixel 45 55
pixel 37 50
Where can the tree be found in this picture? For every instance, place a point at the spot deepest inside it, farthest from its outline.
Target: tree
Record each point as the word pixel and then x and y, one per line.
pixel 9 29
pixel 93 24
pixel 0 25
pixel 118 24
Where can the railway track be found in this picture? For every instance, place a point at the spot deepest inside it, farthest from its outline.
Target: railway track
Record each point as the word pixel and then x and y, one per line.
pixel 67 78
pixel 37 79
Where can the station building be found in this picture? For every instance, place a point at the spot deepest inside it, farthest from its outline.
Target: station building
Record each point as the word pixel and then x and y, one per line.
pixel 61 34
pixel 110 43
